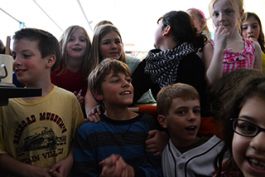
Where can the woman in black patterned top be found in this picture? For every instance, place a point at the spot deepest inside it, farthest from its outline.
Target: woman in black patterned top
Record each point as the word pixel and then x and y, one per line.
pixel 174 59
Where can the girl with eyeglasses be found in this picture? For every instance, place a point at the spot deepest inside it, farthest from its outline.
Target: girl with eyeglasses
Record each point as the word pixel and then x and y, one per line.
pixel 244 132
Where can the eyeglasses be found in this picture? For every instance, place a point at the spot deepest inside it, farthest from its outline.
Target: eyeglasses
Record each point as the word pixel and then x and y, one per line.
pixel 246 128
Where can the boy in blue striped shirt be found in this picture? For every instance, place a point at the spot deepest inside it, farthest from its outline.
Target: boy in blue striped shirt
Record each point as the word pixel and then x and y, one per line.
pixel 114 146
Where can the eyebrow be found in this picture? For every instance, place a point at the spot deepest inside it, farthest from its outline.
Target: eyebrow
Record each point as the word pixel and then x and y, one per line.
pixel 109 39
pixel 247 118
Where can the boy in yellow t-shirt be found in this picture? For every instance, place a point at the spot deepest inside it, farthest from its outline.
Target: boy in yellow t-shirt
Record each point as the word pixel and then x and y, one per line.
pixel 36 133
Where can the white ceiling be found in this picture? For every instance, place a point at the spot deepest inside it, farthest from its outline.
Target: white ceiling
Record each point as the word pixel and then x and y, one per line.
pixel 136 19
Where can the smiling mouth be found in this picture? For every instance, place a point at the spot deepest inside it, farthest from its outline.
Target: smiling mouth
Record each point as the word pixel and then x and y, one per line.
pixel 19 70
pixel 257 164
pixel 126 93
pixel 77 49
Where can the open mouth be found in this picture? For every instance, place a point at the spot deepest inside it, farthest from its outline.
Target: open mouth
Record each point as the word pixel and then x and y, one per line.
pixel 126 93
pixel 77 49
pixel 19 70
pixel 256 164
pixel 191 128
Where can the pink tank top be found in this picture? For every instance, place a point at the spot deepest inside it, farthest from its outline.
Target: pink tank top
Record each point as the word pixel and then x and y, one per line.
pixel 239 60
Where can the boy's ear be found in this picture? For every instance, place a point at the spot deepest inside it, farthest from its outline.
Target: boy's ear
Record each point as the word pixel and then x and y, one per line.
pixel 51 60
pixel 98 96
pixel 162 120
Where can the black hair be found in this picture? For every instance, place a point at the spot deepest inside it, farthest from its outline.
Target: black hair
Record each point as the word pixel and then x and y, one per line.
pixel 183 29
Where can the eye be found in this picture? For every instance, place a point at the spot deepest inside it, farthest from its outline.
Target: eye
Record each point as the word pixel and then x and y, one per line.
pixel 244 27
pixel 117 41
pixel 254 26
pixel 228 11
pixel 107 42
pixel 71 39
pixel 115 80
pixel 129 80
pixel 215 14
pixel 246 127
pixel 14 55
pixel 181 112
pixel 82 39
pixel 197 111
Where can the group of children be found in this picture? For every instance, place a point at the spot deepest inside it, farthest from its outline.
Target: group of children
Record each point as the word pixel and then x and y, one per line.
pixel 47 136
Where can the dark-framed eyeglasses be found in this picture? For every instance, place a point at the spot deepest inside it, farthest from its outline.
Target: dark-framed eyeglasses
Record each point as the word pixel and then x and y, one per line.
pixel 246 128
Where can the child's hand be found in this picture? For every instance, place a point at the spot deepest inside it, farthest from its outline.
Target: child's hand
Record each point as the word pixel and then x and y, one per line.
pixel 115 166
pixel 94 114
pixel 62 168
pixel 79 97
pixel 220 37
pixel 156 141
pixel 35 171
pixel 56 174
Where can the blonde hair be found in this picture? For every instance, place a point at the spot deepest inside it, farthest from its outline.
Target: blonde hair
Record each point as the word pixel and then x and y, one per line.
pixel 238 6
pixel 100 32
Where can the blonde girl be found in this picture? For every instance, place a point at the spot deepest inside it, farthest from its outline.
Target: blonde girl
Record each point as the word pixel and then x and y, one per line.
pixel 231 51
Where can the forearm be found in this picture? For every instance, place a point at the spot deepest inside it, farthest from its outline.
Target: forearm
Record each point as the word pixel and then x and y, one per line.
pixel 13 166
pixel 215 70
pixel 90 102
pixel 207 55
pixel 64 166
pixel 258 57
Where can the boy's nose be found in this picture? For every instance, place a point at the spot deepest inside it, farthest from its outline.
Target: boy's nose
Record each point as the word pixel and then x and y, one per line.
pixel 16 60
pixel 125 84
pixel 16 63
pixel 192 116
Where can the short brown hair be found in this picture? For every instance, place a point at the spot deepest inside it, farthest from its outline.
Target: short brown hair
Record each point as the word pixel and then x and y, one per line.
pixel 97 76
pixel 47 43
pixel 170 92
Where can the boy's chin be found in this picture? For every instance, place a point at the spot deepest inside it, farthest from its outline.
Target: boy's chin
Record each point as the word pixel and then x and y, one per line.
pixel 127 103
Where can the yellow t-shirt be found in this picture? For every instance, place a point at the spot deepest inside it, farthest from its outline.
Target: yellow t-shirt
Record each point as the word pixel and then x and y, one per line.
pixel 39 131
